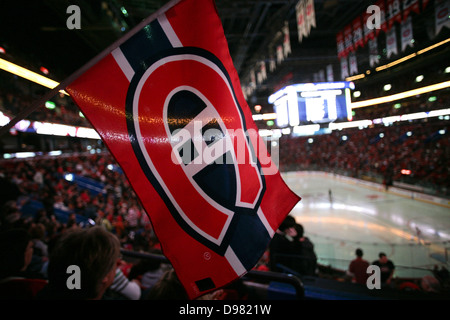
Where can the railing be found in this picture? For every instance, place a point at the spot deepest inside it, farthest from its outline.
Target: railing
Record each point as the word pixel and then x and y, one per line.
pixel 263 284
pixel 269 278
pixel 412 260
pixel 426 187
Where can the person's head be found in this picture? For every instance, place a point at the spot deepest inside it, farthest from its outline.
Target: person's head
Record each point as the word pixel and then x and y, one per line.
pixel 168 287
pixel 16 251
pixel 288 226
pixel 300 231
pixel 430 284
pixel 287 223
pixel 359 253
pixel 382 257
pixel 95 251
pixel 37 231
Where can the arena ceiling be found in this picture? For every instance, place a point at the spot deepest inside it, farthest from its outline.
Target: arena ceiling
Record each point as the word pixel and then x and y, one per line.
pixel 36 31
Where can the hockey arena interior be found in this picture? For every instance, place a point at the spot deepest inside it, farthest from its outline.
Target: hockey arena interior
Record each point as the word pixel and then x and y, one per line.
pixel 355 115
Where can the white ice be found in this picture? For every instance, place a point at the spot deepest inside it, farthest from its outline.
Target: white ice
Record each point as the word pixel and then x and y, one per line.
pixel 413 233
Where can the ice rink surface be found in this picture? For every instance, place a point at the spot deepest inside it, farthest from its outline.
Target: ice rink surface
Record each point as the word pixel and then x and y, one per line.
pixel 341 214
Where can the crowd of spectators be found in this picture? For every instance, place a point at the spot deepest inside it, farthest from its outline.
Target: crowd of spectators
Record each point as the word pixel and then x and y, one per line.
pixel 424 103
pixel 15 97
pixel 401 80
pixel 117 209
pixel 421 149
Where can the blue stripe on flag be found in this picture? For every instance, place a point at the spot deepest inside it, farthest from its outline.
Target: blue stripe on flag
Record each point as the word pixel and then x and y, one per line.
pixel 149 41
pixel 250 234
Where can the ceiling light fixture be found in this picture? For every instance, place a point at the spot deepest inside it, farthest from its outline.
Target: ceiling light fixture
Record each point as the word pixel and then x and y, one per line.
pixel 29 75
pixel 401 95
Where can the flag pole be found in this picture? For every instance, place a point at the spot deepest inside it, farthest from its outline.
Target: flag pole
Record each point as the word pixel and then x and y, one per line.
pixel 66 82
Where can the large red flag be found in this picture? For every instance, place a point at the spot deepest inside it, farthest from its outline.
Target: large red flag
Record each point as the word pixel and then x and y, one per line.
pixel 168 105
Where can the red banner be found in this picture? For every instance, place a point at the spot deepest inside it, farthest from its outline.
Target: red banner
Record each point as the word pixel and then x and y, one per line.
pixel 340 44
pixel 348 39
pixel 424 4
pixel 358 37
pixel 383 21
pixel 394 12
pixel 369 32
pixel 168 105
pixel 410 6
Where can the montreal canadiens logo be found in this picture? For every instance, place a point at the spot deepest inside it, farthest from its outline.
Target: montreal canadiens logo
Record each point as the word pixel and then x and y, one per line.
pixel 189 135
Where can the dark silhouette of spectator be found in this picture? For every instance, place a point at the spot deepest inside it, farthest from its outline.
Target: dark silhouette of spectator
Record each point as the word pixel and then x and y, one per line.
pixel 387 269
pixel 306 261
pixel 357 268
pixel 430 284
pixel 147 271
pixel 16 250
pixel 95 251
pixel 290 251
pixel 282 250
pixel 443 275
pixel 10 215
pixel 72 220
pixel 37 233
pixel 8 190
pixel 40 248
pixel 168 287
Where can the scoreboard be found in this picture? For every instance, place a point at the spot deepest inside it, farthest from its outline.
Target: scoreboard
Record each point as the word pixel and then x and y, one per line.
pixel 307 103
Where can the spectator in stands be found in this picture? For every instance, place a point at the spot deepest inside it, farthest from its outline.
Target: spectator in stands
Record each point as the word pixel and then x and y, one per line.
pixel 37 233
pixel 168 287
pixel 16 250
pixel 430 284
pixel 306 261
pixel 10 215
pixel 95 251
pixel 101 220
pixel 357 268
pixel 290 251
pixel 9 191
pixel 281 247
pixel 443 275
pixel 72 221
pixel 387 269
pixel 122 288
pixel 148 272
pixel 40 248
